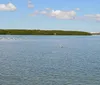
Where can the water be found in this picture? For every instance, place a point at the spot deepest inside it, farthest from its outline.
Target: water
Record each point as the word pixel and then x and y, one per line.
pixel 49 60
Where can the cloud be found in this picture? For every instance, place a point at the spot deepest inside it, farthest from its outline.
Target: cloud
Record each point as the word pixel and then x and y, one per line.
pixel 48 9
pixel 66 15
pixel 7 7
pixel 35 13
pixel 93 16
pixel 58 14
pixel 30 5
pixel 43 12
pixel 77 9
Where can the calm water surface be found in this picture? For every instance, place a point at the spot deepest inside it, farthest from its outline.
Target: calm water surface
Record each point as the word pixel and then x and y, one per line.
pixel 49 60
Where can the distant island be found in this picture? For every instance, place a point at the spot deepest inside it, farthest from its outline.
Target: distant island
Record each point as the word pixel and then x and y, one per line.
pixel 40 32
pixel 95 33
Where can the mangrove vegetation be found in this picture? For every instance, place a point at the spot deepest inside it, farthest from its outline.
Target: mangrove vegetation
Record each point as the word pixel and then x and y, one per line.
pixel 40 32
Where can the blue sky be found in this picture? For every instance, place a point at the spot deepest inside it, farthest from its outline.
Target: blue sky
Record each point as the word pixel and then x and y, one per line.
pixel 83 15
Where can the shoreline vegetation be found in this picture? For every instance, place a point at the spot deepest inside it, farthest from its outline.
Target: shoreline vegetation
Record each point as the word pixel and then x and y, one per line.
pixel 40 32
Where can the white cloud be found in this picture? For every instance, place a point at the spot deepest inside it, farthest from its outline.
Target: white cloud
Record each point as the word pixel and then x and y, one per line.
pixel 7 7
pixel 43 12
pixel 77 9
pixel 30 5
pixel 93 16
pixel 48 9
pixel 35 13
pixel 59 14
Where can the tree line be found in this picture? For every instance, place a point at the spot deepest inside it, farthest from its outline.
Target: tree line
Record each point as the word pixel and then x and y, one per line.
pixel 40 32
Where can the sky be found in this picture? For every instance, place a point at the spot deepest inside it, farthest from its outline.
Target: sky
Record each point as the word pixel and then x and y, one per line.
pixel 80 15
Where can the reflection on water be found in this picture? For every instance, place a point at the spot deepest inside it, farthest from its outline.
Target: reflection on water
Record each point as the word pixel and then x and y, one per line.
pixel 40 60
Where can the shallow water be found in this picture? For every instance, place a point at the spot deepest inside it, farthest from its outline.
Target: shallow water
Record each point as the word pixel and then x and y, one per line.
pixel 49 60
